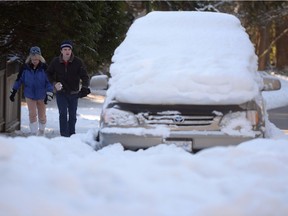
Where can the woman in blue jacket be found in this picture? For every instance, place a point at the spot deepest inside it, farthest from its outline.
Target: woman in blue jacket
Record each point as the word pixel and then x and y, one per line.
pixel 37 89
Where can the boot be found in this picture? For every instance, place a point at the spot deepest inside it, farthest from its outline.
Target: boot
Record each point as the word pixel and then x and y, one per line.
pixel 33 128
pixel 41 129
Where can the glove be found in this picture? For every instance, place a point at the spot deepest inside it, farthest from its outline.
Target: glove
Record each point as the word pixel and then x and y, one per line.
pixel 12 95
pixel 58 86
pixel 49 97
pixel 84 92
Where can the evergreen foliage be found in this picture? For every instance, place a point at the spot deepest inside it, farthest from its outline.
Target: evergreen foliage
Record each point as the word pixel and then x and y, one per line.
pixel 98 27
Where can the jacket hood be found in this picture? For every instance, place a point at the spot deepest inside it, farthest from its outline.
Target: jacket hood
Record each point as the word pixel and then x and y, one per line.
pixel 41 65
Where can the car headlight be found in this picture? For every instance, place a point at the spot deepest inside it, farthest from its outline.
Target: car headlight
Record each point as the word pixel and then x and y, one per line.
pixel 253 117
pixel 240 123
pixel 113 117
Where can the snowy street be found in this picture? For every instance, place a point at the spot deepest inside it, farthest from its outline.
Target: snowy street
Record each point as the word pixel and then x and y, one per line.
pixel 88 116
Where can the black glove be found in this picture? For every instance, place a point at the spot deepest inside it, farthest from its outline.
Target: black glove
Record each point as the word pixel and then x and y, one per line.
pixel 12 95
pixel 84 92
pixel 49 97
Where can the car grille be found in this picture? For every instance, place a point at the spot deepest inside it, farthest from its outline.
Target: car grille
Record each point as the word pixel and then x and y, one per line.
pixel 209 122
pixel 179 117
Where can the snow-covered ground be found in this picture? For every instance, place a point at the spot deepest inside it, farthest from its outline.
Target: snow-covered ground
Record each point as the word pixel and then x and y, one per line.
pixel 65 177
pixel 60 176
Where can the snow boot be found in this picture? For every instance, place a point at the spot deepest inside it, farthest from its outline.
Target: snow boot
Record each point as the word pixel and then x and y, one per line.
pixel 33 128
pixel 41 131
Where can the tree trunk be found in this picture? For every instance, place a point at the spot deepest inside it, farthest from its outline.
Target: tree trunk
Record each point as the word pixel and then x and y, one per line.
pixel 282 44
pixel 263 48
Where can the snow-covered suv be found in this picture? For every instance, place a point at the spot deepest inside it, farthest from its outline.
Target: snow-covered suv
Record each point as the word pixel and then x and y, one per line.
pixel 187 78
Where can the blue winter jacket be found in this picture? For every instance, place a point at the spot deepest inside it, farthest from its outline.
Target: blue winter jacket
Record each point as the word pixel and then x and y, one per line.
pixel 36 83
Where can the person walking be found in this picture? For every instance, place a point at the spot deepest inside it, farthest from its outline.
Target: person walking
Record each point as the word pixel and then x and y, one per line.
pixel 67 72
pixel 37 89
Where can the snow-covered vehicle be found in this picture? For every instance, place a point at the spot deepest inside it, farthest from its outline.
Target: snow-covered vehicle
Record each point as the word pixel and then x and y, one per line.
pixel 187 78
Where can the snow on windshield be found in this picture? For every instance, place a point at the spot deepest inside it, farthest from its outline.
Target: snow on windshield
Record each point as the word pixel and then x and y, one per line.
pixel 183 57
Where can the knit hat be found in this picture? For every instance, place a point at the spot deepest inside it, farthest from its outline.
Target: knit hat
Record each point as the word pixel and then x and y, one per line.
pixel 35 50
pixel 66 43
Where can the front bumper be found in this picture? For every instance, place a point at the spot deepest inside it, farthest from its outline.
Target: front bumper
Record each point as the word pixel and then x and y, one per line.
pixel 189 140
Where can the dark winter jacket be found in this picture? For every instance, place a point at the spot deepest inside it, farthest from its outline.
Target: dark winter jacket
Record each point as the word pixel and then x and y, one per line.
pixel 36 83
pixel 68 74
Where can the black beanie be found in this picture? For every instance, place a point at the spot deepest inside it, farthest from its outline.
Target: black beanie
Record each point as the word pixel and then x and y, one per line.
pixel 66 43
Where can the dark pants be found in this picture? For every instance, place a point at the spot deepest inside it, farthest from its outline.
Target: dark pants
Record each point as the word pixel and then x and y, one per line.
pixel 67 106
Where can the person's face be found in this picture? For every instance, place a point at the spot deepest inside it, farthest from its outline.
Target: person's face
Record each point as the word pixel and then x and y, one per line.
pixel 35 59
pixel 66 53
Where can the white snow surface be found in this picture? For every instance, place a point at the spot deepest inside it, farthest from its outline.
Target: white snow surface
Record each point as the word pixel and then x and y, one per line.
pixel 59 176
pixel 66 177
pixel 178 57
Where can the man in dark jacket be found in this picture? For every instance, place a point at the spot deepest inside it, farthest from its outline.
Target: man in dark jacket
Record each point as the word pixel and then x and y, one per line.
pixel 65 72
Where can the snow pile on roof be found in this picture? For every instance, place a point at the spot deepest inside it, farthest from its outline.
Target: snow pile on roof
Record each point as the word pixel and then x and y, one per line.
pixel 184 57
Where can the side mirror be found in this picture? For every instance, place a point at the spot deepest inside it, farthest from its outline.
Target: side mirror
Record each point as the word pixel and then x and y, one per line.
pixel 271 84
pixel 99 82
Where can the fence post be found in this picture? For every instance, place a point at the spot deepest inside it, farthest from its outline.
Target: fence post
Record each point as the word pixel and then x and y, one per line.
pixel 12 110
pixel 2 95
